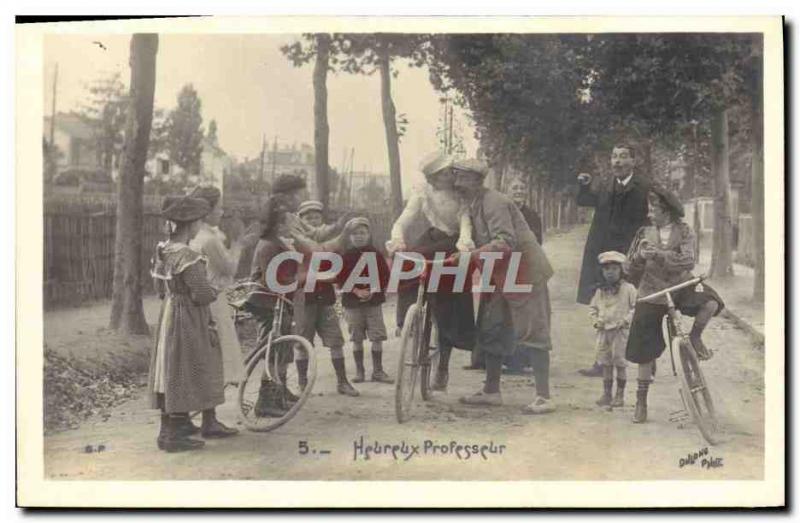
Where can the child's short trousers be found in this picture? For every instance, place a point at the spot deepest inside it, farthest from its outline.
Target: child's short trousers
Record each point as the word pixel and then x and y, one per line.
pixel 365 323
pixel 321 320
pixel 611 347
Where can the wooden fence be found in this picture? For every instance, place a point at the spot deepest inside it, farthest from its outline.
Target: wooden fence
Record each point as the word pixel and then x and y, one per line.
pixel 79 255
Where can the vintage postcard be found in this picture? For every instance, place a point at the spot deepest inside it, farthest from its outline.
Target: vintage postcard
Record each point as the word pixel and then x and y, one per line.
pixel 401 262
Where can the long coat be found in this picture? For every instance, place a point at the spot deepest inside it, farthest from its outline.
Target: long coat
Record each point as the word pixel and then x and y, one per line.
pixel 619 211
pixel 186 365
pixel 508 320
pixel 534 222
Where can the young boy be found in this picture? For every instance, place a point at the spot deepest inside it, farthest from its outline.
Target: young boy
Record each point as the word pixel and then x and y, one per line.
pixel 611 310
pixel 319 316
pixel 363 309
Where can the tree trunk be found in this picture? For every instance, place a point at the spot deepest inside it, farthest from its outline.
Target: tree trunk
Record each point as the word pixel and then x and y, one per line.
pixel 321 130
pixel 722 247
pixel 499 173
pixel 127 314
pixel 390 124
pixel 647 159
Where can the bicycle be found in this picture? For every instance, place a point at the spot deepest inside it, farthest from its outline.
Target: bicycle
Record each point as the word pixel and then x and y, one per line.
pixel 417 357
pixel 268 360
pixel 694 390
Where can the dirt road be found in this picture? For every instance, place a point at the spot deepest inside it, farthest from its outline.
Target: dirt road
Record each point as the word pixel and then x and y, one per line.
pixel 578 442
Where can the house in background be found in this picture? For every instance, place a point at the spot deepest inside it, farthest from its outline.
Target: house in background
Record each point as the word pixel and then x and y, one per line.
pixel 215 163
pixel 75 141
pixel 292 159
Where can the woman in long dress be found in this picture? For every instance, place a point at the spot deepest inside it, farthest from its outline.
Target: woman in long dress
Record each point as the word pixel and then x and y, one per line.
pixel 186 365
pixel 221 266
pixel 450 230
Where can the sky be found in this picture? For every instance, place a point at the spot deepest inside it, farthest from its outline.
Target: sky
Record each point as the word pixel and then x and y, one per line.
pixel 251 90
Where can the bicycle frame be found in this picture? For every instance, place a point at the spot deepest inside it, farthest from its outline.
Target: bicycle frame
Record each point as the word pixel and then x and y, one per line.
pixel 674 329
pixel 277 319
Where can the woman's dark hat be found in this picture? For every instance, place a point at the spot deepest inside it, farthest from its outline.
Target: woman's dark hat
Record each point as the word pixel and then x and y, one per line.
pixel 288 183
pixel 207 192
pixel 668 199
pixel 184 208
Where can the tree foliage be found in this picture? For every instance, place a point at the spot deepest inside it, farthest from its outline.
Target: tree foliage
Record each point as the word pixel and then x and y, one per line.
pixel 105 110
pixel 184 131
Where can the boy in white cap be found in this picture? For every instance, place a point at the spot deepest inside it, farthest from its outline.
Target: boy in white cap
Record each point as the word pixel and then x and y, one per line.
pixel 319 317
pixel 310 214
pixel 611 311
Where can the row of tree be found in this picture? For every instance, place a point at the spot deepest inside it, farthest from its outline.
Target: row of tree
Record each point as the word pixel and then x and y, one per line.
pixel 544 104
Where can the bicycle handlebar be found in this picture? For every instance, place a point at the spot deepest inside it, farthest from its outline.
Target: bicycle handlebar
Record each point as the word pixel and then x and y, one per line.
pixel 257 288
pixel 660 293
pixel 403 256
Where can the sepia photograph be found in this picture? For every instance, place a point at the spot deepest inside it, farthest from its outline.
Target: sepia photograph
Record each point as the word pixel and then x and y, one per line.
pixel 498 263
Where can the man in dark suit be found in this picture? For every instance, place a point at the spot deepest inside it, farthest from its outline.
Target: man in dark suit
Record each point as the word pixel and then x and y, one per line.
pixel 620 208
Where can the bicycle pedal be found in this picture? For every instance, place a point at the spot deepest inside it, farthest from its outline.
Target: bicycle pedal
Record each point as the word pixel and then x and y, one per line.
pixel 678 416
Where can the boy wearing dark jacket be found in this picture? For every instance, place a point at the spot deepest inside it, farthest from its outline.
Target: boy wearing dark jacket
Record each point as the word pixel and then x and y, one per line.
pixel 363 308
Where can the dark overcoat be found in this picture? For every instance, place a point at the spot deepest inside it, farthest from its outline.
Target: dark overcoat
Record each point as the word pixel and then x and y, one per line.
pixel 619 211
pixel 508 320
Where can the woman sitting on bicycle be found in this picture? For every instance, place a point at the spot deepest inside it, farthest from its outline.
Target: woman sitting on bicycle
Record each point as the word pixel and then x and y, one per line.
pixel 662 255
pixel 450 230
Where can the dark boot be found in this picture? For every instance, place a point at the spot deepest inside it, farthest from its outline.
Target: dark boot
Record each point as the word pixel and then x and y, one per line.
pixel 185 427
pixel 343 386
pixel 595 371
pixel 163 431
pixel 302 373
pixel 358 356
pixel 605 399
pixel 619 398
pixel 288 396
pixel 440 381
pixel 270 401
pixel 640 414
pixel 213 428
pixel 174 442
pixel 442 374
pixel 377 368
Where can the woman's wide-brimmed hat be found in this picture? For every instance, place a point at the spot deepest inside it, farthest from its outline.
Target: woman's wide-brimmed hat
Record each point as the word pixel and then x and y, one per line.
pixel 434 163
pixel 668 199
pixel 471 165
pixel 288 183
pixel 184 208
pixel 209 193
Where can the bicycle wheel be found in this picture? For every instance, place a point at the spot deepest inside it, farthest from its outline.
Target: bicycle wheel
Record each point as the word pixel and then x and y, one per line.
pixel 408 366
pixel 428 358
pixel 695 392
pixel 279 387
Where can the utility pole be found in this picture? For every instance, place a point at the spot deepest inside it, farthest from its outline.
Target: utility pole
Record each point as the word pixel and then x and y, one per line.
pixel 350 179
pixel 261 163
pixel 450 132
pixel 274 158
pixel 53 109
